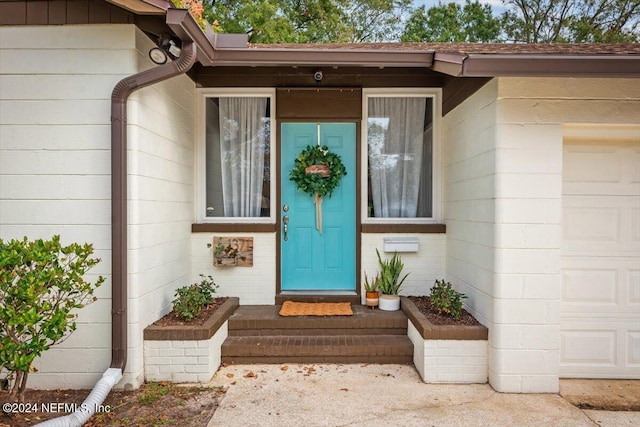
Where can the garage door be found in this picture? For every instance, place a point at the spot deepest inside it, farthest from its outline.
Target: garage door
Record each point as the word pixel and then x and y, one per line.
pixel 600 314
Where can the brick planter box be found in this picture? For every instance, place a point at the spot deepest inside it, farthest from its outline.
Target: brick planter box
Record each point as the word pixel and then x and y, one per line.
pixel 187 353
pixel 447 354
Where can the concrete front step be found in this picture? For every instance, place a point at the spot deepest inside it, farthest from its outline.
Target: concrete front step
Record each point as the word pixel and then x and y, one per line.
pixel 258 334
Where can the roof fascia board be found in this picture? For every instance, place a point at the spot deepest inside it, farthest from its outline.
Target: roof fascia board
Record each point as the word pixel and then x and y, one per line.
pixel 489 65
pixel 186 28
pixel 143 7
pixel 322 57
pixel 449 63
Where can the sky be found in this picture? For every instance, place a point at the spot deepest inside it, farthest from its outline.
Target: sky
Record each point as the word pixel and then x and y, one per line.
pixel 497 5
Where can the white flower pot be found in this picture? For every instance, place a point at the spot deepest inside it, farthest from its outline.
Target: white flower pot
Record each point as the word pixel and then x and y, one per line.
pixel 389 302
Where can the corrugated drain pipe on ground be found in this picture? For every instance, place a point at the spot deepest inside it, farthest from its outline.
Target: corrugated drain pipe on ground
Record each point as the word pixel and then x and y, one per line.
pixel 119 270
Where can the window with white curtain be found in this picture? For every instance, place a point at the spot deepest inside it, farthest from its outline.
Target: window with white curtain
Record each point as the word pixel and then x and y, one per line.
pixel 237 157
pixel 400 157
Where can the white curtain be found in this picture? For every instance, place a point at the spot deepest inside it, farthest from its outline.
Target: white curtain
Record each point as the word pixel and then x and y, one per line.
pixel 242 148
pixel 395 129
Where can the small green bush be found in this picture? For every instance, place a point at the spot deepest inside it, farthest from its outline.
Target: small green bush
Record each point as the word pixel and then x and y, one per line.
pixel 42 285
pixel 446 300
pixel 190 300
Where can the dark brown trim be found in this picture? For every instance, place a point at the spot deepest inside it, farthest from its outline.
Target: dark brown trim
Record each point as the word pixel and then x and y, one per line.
pixel 529 65
pixel 278 212
pixel 429 331
pixel 188 29
pixel 324 57
pixel 60 12
pixel 233 228
pixel 456 90
pixel 319 103
pixel 302 77
pixel 193 332
pixel 404 228
pixel 358 207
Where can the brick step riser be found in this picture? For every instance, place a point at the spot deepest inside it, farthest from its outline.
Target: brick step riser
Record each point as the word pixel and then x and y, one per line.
pixel 322 352
pixel 331 324
pixel 276 360
pixel 321 348
pixel 316 332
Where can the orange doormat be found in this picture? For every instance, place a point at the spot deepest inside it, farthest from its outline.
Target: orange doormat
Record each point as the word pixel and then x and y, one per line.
pixel 290 308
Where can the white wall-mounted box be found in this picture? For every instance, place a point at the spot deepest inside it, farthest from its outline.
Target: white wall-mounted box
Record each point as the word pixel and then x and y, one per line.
pixel 401 244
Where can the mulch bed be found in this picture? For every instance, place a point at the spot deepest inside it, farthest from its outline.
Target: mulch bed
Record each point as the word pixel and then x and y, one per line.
pixel 153 404
pixel 425 307
pixel 171 319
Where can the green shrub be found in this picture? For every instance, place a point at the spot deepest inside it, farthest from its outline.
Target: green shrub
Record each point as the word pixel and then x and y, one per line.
pixel 41 283
pixel 190 300
pixel 446 300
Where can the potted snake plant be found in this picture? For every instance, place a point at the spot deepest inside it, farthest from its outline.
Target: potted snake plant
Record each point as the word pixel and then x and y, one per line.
pixel 390 282
pixel 371 290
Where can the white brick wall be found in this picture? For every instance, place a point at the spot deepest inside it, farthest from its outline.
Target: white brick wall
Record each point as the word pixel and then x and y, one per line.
pixel 449 361
pixel 503 189
pixel 424 266
pixel 184 361
pixel 55 96
pixel 470 210
pixel 161 137
pixel 55 92
pixel 253 285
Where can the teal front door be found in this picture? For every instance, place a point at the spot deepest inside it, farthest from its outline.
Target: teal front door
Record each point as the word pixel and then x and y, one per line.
pixel 310 260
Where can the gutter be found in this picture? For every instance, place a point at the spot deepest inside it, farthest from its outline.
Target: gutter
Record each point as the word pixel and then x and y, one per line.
pixel 323 57
pixel 550 65
pixel 119 206
pixel 536 65
pixel 194 46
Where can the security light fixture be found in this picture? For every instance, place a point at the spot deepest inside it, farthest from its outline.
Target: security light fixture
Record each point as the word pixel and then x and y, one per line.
pixel 166 48
pixel 158 56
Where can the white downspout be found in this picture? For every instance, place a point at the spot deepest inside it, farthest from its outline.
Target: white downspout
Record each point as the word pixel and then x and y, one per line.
pixel 91 404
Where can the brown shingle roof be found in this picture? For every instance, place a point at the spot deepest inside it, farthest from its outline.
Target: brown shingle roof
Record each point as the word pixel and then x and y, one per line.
pixel 471 48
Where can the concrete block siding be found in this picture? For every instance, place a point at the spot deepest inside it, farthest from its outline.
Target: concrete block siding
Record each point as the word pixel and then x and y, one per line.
pixel 503 204
pixel 184 361
pixel 424 266
pixel 55 176
pixel 253 285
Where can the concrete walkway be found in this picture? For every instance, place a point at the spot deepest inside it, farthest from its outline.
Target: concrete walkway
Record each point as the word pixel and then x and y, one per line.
pixel 383 395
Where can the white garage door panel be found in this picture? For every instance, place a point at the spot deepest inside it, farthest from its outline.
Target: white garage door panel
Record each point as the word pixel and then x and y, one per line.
pixel 589 347
pixel 634 287
pixel 600 309
pixel 633 348
pixel 604 286
pixel 599 349
pixel 602 224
